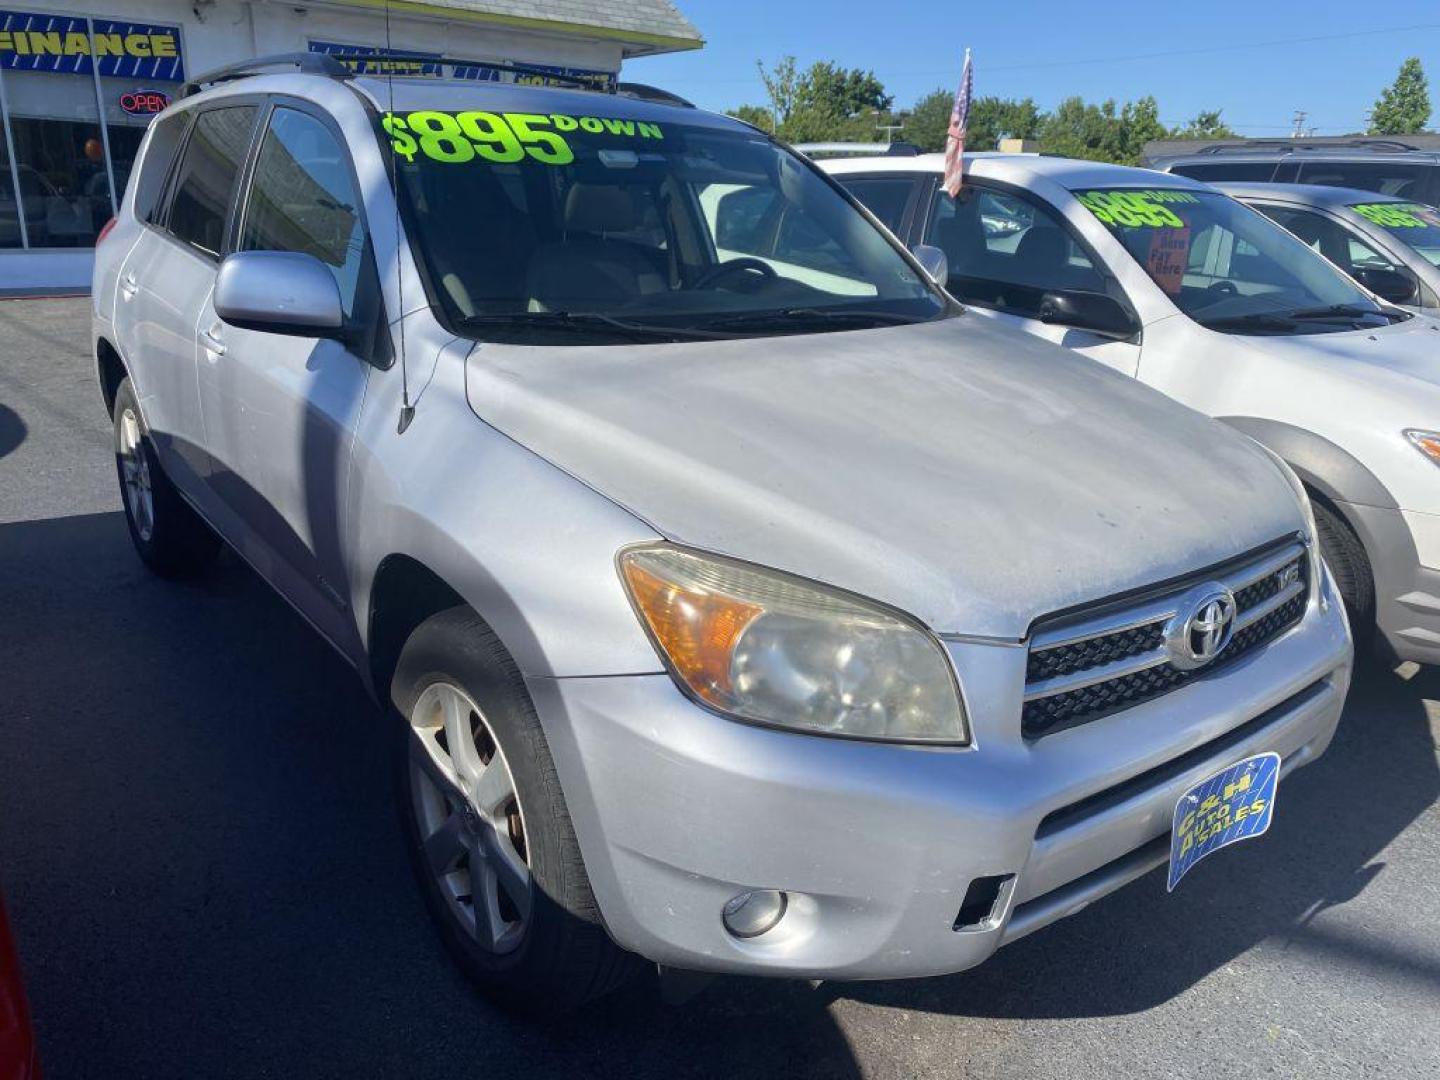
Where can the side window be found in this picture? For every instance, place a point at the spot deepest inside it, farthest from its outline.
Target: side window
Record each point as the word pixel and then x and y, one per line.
pixel 205 184
pixel 1007 252
pixel 1342 247
pixel 302 198
pixel 884 196
pixel 164 140
pixel 1403 178
pixel 1258 171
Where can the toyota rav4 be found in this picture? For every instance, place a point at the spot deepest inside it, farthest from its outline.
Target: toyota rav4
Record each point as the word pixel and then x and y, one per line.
pixel 763 614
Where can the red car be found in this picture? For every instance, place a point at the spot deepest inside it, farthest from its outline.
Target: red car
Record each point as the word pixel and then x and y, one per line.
pixel 17 1041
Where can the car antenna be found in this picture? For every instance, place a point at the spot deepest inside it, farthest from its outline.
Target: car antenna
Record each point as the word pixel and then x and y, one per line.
pixel 407 407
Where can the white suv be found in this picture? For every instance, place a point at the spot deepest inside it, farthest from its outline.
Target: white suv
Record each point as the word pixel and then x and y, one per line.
pixel 1169 281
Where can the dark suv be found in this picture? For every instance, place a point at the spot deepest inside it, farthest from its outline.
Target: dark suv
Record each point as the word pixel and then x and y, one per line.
pixel 1407 167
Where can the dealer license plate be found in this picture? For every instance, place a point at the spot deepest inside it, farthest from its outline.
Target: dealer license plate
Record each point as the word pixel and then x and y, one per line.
pixel 1235 804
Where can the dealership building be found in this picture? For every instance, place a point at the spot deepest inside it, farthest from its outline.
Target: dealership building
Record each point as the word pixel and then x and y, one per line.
pixel 78 85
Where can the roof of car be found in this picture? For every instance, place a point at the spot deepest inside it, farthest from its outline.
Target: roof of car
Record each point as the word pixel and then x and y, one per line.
pixel 1309 194
pixel 406 94
pixel 1423 146
pixel 1073 173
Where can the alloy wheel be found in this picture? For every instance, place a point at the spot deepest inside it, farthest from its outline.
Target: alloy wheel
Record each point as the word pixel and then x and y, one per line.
pixel 135 475
pixel 471 827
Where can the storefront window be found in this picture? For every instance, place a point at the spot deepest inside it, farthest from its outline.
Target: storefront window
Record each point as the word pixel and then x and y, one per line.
pixel 63 77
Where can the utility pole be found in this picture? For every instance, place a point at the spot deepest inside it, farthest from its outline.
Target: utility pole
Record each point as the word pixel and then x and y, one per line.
pixel 1298 131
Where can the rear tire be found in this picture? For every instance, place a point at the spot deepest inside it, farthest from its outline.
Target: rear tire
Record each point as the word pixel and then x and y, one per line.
pixel 478 788
pixel 1345 555
pixel 169 536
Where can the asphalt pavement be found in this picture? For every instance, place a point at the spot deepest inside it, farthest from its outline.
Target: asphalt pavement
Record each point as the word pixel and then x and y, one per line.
pixel 202 860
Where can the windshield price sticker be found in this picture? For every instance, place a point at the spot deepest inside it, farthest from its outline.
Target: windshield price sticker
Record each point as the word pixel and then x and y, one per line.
pixel 455 138
pixel 1234 804
pixel 1136 209
pixel 1398 215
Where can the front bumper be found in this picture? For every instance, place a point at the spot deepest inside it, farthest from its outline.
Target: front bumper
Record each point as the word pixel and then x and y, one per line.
pixel 678 810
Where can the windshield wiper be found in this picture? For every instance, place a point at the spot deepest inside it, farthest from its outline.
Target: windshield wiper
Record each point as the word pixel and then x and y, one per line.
pixel 814 314
pixel 1259 320
pixel 1332 311
pixel 584 322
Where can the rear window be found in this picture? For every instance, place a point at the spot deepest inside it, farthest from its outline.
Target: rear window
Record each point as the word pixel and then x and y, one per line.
pixel 205 185
pixel 1404 179
pixel 165 136
pixel 884 196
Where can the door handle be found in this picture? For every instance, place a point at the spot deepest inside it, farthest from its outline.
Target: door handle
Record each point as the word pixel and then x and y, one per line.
pixel 213 343
pixel 129 286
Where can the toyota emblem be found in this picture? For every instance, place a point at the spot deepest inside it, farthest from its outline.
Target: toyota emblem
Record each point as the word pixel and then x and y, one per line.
pixel 1201 628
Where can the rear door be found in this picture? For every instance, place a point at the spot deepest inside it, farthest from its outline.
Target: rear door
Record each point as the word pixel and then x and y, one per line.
pixel 1006 250
pixel 166 281
pixel 280 410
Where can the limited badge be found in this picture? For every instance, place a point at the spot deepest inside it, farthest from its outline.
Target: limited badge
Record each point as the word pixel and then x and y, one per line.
pixel 1233 805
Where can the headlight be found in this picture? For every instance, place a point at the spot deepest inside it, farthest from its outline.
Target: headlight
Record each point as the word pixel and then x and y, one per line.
pixel 1427 442
pixel 772 649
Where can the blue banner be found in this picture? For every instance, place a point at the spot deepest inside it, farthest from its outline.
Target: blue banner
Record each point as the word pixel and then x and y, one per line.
pixel 62 44
pixel 1233 805
pixel 397 62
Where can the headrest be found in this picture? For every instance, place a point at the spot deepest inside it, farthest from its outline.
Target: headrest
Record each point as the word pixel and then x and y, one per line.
pixel 599 208
pixel 1042 245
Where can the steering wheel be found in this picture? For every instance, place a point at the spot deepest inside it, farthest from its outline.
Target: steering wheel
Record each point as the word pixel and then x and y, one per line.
pixel 746 265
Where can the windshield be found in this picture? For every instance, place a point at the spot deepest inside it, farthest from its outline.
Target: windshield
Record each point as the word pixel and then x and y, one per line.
pixel 615 229
pixel 1415 225
pixel 1230 268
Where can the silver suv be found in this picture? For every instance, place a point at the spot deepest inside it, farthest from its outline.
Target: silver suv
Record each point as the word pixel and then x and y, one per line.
pixel 748 614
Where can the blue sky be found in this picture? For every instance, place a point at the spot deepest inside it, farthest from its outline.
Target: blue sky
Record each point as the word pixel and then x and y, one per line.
pixel 1258 61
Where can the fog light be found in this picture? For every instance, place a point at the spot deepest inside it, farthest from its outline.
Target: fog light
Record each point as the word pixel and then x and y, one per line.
pixel 753 913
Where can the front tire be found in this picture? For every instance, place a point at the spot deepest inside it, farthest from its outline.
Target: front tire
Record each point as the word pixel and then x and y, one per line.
pixel 1345 555
pixel 169 536
pixel 489 834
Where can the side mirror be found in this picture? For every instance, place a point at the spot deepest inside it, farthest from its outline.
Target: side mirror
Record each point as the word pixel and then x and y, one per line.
pixel 1096 312
pixel 279 292
pixel 933 261
pixel 1395 286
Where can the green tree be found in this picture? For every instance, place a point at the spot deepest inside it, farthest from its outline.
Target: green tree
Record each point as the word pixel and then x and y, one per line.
pixel 1205 125
pixel 822 103
pixel 758 115
pixel 1404 105
pixel 1078 129
pixel 991 119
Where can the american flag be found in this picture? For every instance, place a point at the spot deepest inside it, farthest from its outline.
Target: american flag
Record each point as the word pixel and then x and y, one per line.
pixel 955 140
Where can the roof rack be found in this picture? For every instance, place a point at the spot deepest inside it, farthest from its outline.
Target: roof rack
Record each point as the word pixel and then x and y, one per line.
pixel 903 149
pixel 347 65
pixel 645 92
pixel 1311 144
pixel 309 63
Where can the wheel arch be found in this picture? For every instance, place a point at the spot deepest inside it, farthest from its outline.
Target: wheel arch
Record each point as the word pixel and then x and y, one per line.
pixel 405 592
pixel 110 372
pixel 1325 468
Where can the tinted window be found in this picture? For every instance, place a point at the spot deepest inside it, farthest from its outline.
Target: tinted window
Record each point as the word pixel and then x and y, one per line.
pixel 1212 171
pixel 1402 178
pixel 1007 252
pixel 302 198
pixel 165 137
pixel 1340 245
pixel 206 181
pixel 883 196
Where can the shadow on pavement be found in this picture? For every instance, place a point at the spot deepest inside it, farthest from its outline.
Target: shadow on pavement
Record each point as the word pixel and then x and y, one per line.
pixel 12 430
pixel 199 849
pixel 200 853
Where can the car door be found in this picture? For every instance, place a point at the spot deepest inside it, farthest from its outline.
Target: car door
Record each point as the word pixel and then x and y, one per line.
pixel 166 280
pixel 1006 251
pixel 280 410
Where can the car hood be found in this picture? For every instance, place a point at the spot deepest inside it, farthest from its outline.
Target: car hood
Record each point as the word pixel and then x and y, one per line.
pixel 1408 350
pixel 969 474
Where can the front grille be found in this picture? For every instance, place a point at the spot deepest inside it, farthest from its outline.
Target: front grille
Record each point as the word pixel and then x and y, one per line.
pixel 1088 665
